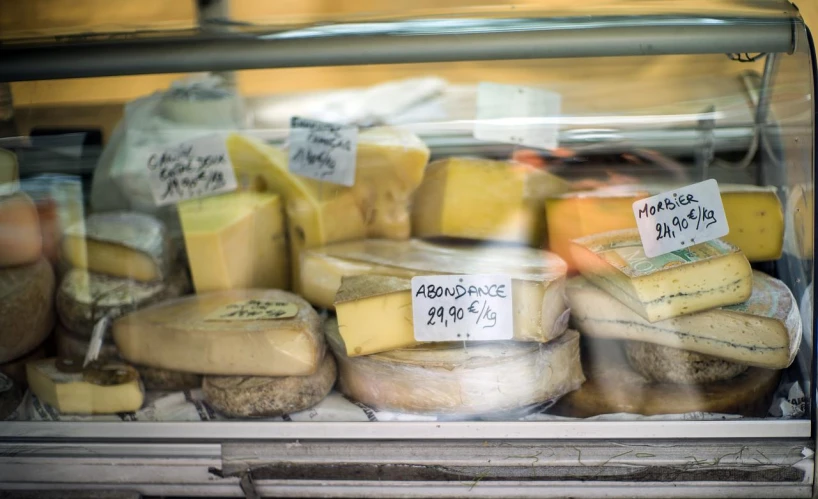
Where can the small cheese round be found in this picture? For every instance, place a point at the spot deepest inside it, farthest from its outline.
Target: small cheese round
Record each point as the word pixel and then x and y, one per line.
pixel 26 308
pixel 70 346
pixel 255 396
pixel 671 365
pixel 16 369
pixel 168 381
pixel 85 297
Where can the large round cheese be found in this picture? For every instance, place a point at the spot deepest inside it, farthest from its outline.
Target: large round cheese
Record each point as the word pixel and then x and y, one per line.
pixel 253 396
pixel 84 298
pixel 457 380
pixel 671 365
pixel 16 369
pixel 26 308
pixel 613 387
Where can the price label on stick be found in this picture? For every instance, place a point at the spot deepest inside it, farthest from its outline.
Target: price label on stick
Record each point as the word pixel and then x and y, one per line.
pixel 680 218
pixel 191 169
pixel 462 308
pixel 323 151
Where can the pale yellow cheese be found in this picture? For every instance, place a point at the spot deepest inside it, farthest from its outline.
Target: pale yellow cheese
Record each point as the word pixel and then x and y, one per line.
pixel 538 277
pixel 375 314
pixel 389 167
pixel 236 332
pixel 120 244
pixel 754 216
pixel 460 379
pixel 764 331
pixel 482 199
pixel 236 241
pixel 685 281
pixel 800 221
pixel 73 393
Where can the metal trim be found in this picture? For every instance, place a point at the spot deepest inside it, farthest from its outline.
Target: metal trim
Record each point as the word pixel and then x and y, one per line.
pixel 558 430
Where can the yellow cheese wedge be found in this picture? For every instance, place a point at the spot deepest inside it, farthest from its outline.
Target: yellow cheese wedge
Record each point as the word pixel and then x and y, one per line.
pixel 482 199
pixel 800 221
pixel 389 167
pixel 236 332
pixel 538 277
pixel 236 241
pixel 121 244
pixel 107 389
pixel 375 314
pixel 754 216
pixel 21 241
pixel 460 379
pixel 701 277
pixel 9 172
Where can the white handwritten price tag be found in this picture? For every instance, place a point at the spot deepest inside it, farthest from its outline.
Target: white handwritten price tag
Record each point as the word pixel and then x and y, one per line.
pixel 518 115
pixel 192 169
pixel 680 218
pixel 323 151
pixel 462 308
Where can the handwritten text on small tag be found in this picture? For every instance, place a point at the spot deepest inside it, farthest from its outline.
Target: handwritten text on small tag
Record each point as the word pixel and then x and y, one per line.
pixel 323 151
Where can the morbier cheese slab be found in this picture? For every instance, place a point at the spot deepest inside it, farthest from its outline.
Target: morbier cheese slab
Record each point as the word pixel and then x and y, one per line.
pixel 120 244
pixel 21 241
pixel 538 277
pixel 462 380
pixel 483 199
pixel 236 241
pixel 101 388
pixel 754 216
pixel 671 365
pixel 681 282
pixel 236 332
pixel 613 387
pixel 256 397
pixel 26 308
pixel 84 298
pixel 764 331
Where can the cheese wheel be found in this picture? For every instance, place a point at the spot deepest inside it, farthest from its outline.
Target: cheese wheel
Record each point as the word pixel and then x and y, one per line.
pixel 84 298
pixel 10 397
pixel 613 387
pixel 450 379
pixel 242 396
pixel 21 242
pixel 16 369
pixel 26 308
pixel 671 365
pixel 235 332
pixel 168 381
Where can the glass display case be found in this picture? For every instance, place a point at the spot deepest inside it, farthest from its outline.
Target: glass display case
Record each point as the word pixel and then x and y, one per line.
pixel 444 252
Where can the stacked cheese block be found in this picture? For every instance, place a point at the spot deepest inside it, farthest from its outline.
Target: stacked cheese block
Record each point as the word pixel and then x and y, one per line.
pixel 470 209
pixel 26 286
pixel 701 331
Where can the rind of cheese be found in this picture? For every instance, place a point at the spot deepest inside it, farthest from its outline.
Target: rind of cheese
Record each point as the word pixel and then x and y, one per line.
pixel 681 282
pixel 671 365
pixel 482 199
pixel 457 380
pixel 70 345
pixel 21 241
pixel 120 244
pixel 613 387
pixel 71 393
pixel 538 277
pixel 800 221
pixel 754 216
pixel 26 308
pixel 764 331
pixel 220 333
pixel 256 397
pixel 16 369
pixel 236 241
pixel 9 172
pixel 168 381
pixel 84 298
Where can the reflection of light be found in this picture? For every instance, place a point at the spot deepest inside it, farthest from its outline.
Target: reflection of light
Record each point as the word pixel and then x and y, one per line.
pixel 600 120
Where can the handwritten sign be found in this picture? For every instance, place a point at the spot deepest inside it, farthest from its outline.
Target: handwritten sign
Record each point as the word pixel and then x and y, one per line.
pixel 323 151
pixel 462 308
pixel 254 310
pixel 189 170
pixel 518 115
pixel 680 218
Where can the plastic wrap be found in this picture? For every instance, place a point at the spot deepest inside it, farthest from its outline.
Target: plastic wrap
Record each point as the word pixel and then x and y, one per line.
pixel 239 332
pixel 460 380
